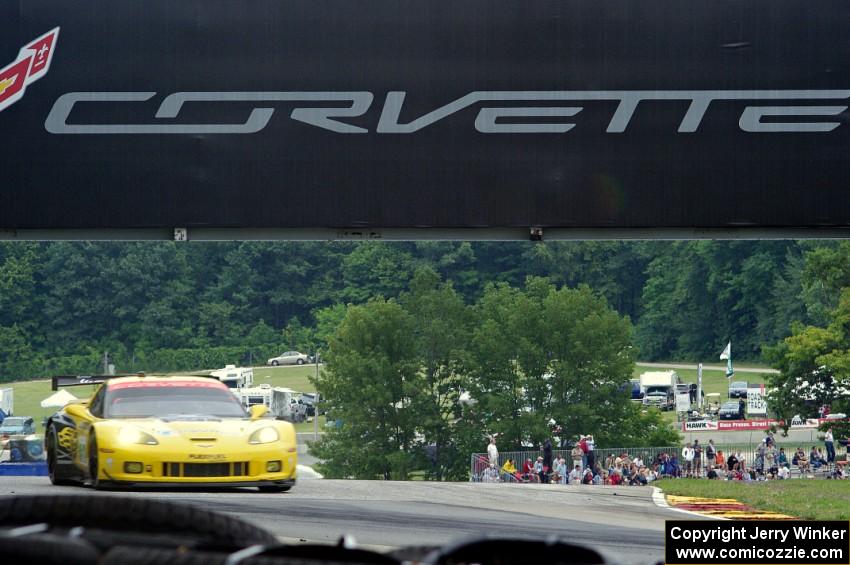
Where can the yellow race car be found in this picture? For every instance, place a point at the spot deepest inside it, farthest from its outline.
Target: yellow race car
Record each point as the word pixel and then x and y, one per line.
pixel 167 431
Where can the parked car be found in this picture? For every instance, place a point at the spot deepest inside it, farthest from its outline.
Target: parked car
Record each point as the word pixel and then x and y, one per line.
pixel 17 425
pixel 731 411
pixel 289 358
pixel 738 390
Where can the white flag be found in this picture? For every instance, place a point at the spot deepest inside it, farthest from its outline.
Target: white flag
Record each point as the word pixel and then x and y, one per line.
pixel 727 353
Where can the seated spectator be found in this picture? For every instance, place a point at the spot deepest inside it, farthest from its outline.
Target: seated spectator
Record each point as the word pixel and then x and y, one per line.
pixel 588 477
pixel 491 475
pixel 616 478
pixel 712 474
pixel 783 472
pixel 814 459
pixel 560 473
pixel 801 461
pixel 528 473
pixel 598 480
pixel 781 458
pixel 731 462
pixel 576 475
pixel 510 471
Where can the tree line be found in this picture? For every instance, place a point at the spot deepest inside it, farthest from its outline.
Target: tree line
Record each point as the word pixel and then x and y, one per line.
pixel 166 306
pixel 415 384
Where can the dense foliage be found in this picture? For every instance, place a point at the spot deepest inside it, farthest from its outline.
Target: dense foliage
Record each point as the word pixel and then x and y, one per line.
pixel 814 362
pixel 517 364
pixel 161 306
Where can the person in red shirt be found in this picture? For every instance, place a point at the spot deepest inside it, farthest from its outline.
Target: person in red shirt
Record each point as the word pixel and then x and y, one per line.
pixel 582 443
pixel 616 478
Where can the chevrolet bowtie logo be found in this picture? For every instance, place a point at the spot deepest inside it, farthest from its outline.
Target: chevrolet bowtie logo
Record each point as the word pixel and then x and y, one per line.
pixel 6 83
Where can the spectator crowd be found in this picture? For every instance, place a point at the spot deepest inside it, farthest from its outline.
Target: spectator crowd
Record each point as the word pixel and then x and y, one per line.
pixel 694 460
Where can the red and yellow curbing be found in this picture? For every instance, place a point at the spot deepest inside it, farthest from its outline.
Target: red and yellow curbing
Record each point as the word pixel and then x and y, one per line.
pixel 728 508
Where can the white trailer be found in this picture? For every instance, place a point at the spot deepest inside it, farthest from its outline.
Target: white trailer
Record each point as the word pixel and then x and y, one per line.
pixel 285 405
pixel 7 401
pixel 235 377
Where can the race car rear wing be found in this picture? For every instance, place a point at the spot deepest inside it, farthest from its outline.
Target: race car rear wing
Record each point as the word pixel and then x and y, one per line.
pixel 79 380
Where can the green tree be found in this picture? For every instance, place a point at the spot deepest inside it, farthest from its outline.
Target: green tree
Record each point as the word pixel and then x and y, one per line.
pixel 370 383
pixel 441 334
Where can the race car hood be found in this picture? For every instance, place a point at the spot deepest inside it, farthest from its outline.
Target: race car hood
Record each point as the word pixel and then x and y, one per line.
pixel 182 432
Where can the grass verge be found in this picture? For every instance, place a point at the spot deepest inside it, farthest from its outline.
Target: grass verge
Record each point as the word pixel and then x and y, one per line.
pixel 808 499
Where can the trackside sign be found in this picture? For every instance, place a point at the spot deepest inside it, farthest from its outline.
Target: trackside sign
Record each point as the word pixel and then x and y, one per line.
pixel 616 115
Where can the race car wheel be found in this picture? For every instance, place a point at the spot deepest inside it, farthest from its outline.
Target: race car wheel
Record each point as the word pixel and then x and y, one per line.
pixel 270 489
pixel 94 464
pixel 59 474
pixel 275 363
pixel 300 361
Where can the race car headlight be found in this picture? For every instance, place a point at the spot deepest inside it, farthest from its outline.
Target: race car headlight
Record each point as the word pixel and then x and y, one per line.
pixel 137 436
pixel 264 435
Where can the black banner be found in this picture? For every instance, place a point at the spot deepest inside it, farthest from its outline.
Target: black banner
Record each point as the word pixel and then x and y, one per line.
pixel 762 542
pixel 410 114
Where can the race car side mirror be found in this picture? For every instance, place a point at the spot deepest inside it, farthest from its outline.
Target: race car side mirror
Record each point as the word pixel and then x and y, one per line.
pixel 78 411
pixel 258 411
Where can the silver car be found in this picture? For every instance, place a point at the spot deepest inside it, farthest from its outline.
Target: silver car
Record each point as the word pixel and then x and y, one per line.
pixel 289 358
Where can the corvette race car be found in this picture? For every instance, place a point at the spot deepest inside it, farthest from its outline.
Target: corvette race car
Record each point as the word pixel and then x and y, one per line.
pixel 167 431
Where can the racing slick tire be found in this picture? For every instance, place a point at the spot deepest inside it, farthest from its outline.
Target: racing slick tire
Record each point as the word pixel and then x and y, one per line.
pixel 59 475
pixel 270 489
pixel 94 464
pixel 130 514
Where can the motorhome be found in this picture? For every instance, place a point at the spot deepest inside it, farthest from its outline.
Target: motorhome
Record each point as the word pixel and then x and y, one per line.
pixel 659 389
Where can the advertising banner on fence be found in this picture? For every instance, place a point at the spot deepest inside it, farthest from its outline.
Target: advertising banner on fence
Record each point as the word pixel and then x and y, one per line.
pixel 748 425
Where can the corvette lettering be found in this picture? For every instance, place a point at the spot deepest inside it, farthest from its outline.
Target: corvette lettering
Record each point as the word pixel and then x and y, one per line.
pixel 32 63
pixel 765 111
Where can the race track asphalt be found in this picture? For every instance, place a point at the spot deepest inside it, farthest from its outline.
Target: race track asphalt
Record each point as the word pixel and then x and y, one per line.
pixel 623 523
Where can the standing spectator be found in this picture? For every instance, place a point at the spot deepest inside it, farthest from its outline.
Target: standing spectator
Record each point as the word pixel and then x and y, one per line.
pixel 547 460
pixel 591 455
pixel 830 446
pixel 576 454
pixel 711 453
pixel 582 443
pixel 742 406
pixel 688 459
pixel 770 459
pixel 697 458
pixel 493 452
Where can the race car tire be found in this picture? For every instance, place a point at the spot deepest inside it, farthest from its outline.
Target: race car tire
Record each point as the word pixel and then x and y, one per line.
pixel 273 489
pixel 46 548
pixel 130 514
pixel 59 475
pixel 94 464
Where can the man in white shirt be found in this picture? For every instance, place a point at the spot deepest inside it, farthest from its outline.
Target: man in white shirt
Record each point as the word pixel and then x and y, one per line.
pixel 493 452
pixel 688 459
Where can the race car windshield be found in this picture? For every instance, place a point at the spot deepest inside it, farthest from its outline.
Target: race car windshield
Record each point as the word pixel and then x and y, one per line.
pixel 172 400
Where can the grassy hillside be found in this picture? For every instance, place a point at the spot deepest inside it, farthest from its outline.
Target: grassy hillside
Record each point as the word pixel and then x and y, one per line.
pixel 29 394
